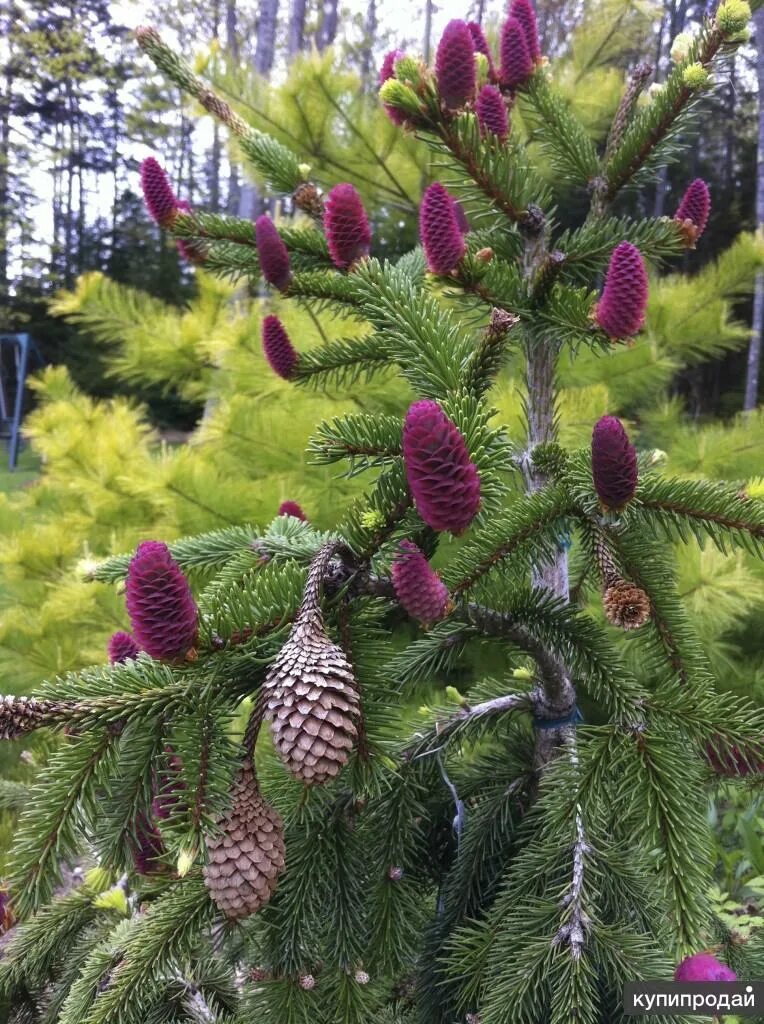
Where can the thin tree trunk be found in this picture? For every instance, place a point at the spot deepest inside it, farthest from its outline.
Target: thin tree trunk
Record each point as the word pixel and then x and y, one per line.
pixel 216 148
pixel 367 57
pixel 426 46
pixel 232 45
pixel 250 203
pixel 757 325
pixel 296 40
pixel 327 30
pixel 5 179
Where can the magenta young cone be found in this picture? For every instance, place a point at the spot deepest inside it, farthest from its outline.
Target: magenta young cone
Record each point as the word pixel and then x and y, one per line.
pixel 346 226
pixel 291 508
pixel 272 253
pixel 439 230
pixel 703 967
pixel 418 587
pixel 621 309
pixel 480 43
pixel 614 463
pixel 387 70
pixel 158 195
pixel 147 846
pixel 695 207
pixel 279 351
pixel 455 64
pixel 516 60
pixel 491 112
pixel 444 481
pixel 162 610
pixel 525 13
pixel 122 647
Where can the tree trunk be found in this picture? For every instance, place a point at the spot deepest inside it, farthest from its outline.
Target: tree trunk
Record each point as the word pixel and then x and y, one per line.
pixel 216 148
pixel 757 325
pixel 5 183
pixel 232 45
pixel 250 204
pixel 367 56
pixel 327 30
pixel 426 46
pixel 296 40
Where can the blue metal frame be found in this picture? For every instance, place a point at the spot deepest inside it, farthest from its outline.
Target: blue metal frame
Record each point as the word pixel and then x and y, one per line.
pixel 22 343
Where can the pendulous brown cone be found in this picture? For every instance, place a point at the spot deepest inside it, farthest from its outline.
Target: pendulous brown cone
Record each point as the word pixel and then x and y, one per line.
pixel 247 856
pixel 311 694
pixel 312 703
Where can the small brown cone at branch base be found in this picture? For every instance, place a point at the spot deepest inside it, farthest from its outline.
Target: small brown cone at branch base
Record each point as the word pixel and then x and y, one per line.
pixel 248 854
pixel 312 704
pixel 626 605
pixel 20 715
pixel 308 199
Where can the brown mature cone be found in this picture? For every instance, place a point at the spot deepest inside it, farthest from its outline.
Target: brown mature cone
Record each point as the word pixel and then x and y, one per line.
pixel 20 715
pixel 312 703
pixel 247 856
pixel 626 605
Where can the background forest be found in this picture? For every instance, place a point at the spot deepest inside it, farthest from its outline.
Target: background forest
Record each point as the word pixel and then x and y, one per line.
pixel 152 413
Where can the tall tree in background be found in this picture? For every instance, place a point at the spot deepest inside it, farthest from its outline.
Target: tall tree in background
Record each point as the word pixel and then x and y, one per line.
pixel 757 323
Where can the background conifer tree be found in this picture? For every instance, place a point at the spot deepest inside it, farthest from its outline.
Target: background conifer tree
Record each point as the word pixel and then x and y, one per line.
pixel 277 827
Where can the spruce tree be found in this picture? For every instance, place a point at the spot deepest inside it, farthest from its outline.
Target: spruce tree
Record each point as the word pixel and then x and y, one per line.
pixel 270 822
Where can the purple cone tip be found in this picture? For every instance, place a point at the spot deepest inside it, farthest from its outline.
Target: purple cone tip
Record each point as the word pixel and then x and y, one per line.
pixel 695 206
pixel 122 647
pixel 703 967
pixel 291 508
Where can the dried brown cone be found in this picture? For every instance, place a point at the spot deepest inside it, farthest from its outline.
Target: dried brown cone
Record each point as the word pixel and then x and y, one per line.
pixel 637 82
pixel 248 854
pixel 308 199
pixel 20 715
pixel 311 694
pixel 626 605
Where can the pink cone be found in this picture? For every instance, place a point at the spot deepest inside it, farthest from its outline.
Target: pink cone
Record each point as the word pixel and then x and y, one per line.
pixel 455 64
pixel 122 647
pixel 491 112
pixel 703 967
pixel 621 309
pixel 516 59
pixel 291 508
pixel 272 253
pixel 162 609
pixel 279 351
pixel 158 194
pixel 386 71
pixel 614 463
pixel 418 587
pixel 695 207
pixel 346 226
pixel 440 231
pixel 444 481
pixel 525 13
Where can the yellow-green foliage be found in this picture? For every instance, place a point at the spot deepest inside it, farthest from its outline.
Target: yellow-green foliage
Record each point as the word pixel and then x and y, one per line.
pixel 109 481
